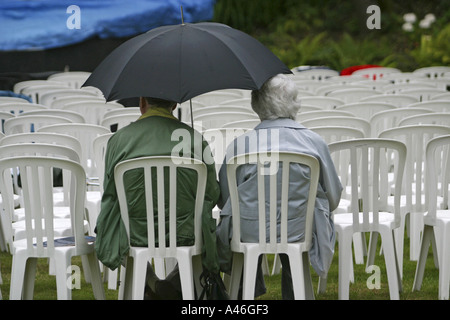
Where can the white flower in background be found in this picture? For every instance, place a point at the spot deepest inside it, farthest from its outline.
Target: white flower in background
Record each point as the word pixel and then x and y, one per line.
pixel 408 27
pixel 424 24
pixel 409 17
pixel 430 17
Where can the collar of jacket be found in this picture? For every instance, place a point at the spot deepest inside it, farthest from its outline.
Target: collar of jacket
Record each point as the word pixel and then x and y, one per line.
pixel 156 111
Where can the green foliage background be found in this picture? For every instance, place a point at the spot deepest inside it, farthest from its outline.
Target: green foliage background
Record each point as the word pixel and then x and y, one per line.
pixel 334 32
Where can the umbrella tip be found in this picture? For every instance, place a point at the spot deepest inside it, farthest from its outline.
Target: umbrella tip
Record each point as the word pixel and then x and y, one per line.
pixel 182 18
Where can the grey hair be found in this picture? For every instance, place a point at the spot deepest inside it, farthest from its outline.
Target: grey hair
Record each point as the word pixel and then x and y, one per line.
pixel 277 98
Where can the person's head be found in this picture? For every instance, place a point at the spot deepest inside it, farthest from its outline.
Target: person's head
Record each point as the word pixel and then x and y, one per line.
pixel 145 103
pixel 277 98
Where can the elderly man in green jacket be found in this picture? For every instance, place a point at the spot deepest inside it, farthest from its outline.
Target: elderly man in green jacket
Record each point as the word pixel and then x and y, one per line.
pixel 153 135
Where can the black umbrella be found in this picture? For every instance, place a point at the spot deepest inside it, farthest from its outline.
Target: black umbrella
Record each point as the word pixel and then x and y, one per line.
pixel 179 62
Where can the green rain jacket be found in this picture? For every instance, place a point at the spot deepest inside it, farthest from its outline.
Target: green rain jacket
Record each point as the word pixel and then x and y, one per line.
pixel 153 135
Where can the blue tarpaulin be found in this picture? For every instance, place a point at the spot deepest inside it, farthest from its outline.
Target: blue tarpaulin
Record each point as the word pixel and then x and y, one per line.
pixel 46 24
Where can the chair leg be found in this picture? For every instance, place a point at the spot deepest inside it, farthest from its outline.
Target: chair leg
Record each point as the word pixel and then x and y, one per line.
pixel 249 279
pixel 18 271
pixel 96 277
pixel 30 276
pixel 62 262
pixel 345 252
pixel 126 278
pixel 236 273
pixel 444 272
pixel 322 285
pixel 428 233
pixel 298 276
pixel 373 241
pixel 139 272
pixel 391 264
pixel 186 276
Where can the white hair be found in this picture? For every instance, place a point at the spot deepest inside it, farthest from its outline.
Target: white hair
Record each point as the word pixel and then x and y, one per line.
pixel 277 98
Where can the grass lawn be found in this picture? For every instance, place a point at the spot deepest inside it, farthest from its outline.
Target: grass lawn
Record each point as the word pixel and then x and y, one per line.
pixel 45 285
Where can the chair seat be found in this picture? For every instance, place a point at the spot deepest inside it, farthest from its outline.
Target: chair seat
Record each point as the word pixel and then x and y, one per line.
pixel 62 228
pixel 59 213
pixel 385 218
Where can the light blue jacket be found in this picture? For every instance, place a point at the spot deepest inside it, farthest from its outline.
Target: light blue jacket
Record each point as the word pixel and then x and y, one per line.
pixel 282 135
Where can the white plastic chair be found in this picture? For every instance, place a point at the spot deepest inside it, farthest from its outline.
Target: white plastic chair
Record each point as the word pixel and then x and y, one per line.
pixel 424 94
pixel 433 72
pixel 217 120
pixel 340 121
pixel 439 118
pixel 437 218
pixel 243 102
pixel 327 88
pixel 415 137
pixel 442 96
pixel 405 88
pixel 46 98
pixel 59 102
pixel 4 99
pixel 216 97
pixel 93 111
pixel 3 117
pixel 246 124
pixel 114 123
pixel 336 133
pixel 389 119
pixel 221 108
pixel 16 107
pixel 315 73
pixel 366 110
pixel 302 116
pixel 71 115
pixel 376 72
pixel 35 91
pixel 353 95
pixel 25 124
pixel 19 86
pixel 74 79
pixel 399 100
pixel 115 112
pixel 37 184
pixel 188 257
pixel 434 105
pixel 369 187
pixel 321 101
pixel 245 255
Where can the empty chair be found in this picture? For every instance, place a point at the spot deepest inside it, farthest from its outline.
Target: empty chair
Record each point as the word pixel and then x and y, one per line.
pixel 59 102
pixel 376 72
pixel 24 124
pixel 40 241
pixel 4 99
pixel 218 119
pixel 184 109
pixel 73 79
pixel 399 100
pixel 19 86
pixel 326 88
pixel 71 115
pixel 369 189
pixel 93 111
pixel 4 116
pixel 114 123
pixel 221 108
pixel 216 97
pixel 35 91
pixel 46 98
pixel 17 108
pixel 439 118
pixel 302 116
pixel 341 121
pixel 273 223
pixel 162 239
pixel 437 217
pixel 434 105
pixel 118 111
pixel 424 94
pixel 336 133
pixel 317 74
pixel 388 119
pixel 366 110
pixel 353 95
pixel 245 102
pixel 246 124
pixel 433 72
pixel 323 102
pixel 441 96
pixel 400 88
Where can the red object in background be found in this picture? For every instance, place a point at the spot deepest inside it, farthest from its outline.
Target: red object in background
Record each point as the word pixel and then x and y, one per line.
pixel 348 71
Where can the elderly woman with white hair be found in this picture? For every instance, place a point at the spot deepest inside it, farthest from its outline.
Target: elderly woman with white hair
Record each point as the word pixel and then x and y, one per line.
pixel 277 105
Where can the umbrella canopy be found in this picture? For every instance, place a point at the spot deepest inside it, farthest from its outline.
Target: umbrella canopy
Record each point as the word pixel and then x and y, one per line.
pixel 179 62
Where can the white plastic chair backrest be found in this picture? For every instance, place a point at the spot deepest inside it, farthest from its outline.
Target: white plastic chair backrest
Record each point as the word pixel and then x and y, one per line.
pixel 219 139
pixel 439 118
pixel 114 123
pixel 321 101
pixel 157 165
pixel 437 176
pixel 2 135
pixel 399 100
pixel 100 144
pixel 353 95
pixel 327 88
pixel 405 88
pixel 366 110
pixel 74 79
pixel 47 97
pixel 336 133
pixel 93 111
pixel 376 72
pixel 243 102
pixel 271 167
pixel 4 116
pixel 341 121
pixel 31 123
pixel 315 73
pixel 35 91
pixel 433 72
pixel 115 112
pixel 369 177
pixel 17 108
pixel 4 99
pixel 71 115
pixel 37 181
pixel 218 119
pixel 424 94
pixel 215 97
pixel 389 119
pixel 85 133
pixel 43 137
pixel 59 102
pixel 247 124
pixel 442 96
pixel 415 137
pixel 19 86
pixel 302 116
pixel 221 108
pixel 403 77
pixel 435 105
